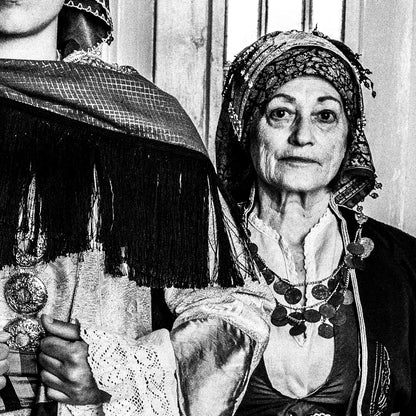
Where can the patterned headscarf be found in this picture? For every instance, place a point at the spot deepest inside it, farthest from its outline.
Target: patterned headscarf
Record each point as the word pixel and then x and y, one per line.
pixel 84 25
pixel 253 79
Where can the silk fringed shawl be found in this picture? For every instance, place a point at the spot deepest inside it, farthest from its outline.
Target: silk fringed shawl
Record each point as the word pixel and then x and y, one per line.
pixel 92 135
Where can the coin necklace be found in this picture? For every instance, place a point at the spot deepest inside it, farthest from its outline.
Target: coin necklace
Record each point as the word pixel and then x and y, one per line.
pixel 329 297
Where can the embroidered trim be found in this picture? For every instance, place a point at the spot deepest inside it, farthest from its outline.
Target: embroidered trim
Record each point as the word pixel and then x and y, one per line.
pixel 102 16
pixel 381 384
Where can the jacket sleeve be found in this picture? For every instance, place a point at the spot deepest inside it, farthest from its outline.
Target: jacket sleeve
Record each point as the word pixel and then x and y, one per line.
pixel 218 340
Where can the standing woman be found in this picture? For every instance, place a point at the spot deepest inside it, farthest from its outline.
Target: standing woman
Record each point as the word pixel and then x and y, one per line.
pixel 107 198
pixel 292 153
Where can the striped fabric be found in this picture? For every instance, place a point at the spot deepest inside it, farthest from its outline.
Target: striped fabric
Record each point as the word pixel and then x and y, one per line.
pixel 22 380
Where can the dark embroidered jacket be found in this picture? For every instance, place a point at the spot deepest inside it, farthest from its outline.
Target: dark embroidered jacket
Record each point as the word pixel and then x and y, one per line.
pixel 387 321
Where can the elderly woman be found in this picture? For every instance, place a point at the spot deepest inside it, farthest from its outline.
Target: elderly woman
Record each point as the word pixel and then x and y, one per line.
pixel 292 153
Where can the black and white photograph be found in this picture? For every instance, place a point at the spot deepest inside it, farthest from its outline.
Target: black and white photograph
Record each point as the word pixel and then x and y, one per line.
pixel 207 208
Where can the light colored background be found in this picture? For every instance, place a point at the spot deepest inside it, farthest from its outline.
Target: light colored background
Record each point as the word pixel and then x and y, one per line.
pixel 179 44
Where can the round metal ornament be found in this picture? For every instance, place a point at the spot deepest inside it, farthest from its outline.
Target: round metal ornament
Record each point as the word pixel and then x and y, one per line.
pixel 26 334
pixel 281 287
pixel 25 293
pixel 368 245
pixel 339 319
pixel 326 331
pixel 297 329
pixel 295 318
pixel 332 284
pixel 312 315
pixel 327 311
pixel 279 316
pixel 348 297
pixel 355 248
pixel 268 276
pixel 336 299
pixel 293 295
pixel 320 292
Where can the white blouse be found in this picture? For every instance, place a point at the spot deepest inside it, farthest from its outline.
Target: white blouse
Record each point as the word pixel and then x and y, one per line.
pixel 298 365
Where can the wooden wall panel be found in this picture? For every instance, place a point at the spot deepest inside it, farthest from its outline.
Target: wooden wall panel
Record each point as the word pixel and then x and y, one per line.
pixel 389 50
pixel 133 35
pixel 181 55
pixel 216 74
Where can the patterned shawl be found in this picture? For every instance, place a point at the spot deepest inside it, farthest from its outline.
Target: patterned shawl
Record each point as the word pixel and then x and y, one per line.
pixel 93 136
pixel 255 76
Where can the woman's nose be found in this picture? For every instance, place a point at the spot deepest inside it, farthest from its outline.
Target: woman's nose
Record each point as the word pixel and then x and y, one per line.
pixel 302 134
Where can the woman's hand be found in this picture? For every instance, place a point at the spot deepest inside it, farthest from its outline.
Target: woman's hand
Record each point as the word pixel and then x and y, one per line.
pixel 4 357
pixel 66 372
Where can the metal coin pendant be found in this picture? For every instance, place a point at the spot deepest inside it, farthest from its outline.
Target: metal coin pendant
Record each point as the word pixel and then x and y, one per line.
pixel 348 297
pixel 312 315
pixel 326 331
pixel 368 245
pixel 293 295
pixel 336 299
pixel 281 287
pixel 26 334
pixel 332 284
pixel 320 292
pixel 268 276
pixel 25 293
pixel 359 263
pixel 355 248
pixel 295 318
pixel 349 261
pixel 297 330
pixel 279 314
pixel 280 322
pixel 339 319
pixel 327 311
pixel 253 248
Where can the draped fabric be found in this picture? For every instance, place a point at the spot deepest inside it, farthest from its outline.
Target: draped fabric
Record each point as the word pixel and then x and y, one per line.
pixel 93 135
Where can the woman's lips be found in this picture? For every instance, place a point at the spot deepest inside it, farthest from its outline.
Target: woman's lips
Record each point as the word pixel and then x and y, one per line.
pixel 297 160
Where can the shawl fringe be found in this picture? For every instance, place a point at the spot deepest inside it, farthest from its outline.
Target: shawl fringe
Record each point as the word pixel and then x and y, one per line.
pixel 153 200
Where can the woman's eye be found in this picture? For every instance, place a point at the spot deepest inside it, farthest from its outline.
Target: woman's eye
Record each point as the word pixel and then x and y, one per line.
pixel 279 114
pixel 327 116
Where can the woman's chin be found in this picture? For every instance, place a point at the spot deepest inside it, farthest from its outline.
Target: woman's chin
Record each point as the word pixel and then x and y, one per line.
pixel 308 183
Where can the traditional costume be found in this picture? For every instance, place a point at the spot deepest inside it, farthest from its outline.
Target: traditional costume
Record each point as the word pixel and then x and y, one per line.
pixel 108 197
pixel 349 348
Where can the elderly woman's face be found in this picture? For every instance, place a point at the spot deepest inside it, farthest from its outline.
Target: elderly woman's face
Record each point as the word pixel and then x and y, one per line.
pixel 301 137
pixel 25 17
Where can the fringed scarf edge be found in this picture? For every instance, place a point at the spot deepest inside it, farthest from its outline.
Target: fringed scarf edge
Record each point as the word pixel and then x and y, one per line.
pixel 153 200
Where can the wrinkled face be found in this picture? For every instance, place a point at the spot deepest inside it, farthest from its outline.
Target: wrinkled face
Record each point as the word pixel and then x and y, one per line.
pixel 25 17
pixel 301 137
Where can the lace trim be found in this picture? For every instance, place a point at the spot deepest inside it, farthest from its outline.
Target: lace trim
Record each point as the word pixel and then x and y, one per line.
pixel 139 376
